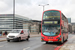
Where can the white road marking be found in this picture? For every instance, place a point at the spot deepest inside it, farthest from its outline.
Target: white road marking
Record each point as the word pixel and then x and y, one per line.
pixel 2 46
pixel 37 38
pixel 26 48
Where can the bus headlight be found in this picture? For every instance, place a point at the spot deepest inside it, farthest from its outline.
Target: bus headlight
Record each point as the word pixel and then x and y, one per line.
pixel 58 38
pixel 59 35
pixel 42 37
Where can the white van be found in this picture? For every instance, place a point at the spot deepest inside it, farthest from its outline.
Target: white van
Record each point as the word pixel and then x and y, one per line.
pixel 18 34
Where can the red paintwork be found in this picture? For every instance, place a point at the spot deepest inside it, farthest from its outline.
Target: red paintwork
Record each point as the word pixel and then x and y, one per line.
pixel 54 37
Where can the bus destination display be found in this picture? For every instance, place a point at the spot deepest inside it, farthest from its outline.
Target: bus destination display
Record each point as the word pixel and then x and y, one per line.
pixel 50 22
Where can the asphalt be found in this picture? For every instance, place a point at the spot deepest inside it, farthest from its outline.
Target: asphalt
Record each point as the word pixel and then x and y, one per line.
pixel 34 43
pixel 3 38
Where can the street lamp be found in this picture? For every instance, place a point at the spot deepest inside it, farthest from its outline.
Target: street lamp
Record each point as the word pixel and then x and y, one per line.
pixel 44 6
pixel 13 12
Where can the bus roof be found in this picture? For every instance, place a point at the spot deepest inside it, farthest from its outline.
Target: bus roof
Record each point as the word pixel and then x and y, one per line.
pixel 52 9
pixel 55 10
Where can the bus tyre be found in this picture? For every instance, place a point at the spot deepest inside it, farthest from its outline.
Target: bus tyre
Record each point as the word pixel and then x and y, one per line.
pixel 46 42
pixel 8 40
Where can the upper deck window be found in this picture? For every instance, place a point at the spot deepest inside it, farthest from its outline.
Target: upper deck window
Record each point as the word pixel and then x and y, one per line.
pixel 51 15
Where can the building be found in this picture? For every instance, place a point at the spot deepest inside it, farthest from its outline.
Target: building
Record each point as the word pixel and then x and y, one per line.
pixel 32 26
pixel 39 22
pixel 36 21
pixel 69 20
pixel 70 27
pixel 27 25
pixel 35 27
pixel 73 27
pixel 8 22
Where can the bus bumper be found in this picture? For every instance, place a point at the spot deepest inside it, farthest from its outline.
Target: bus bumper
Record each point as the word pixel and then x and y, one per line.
pixel 51 40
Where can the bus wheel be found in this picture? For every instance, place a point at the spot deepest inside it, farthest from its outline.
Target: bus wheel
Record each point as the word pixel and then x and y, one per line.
pixel 46 42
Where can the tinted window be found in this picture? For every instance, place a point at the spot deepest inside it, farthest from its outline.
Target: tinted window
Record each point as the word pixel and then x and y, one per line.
pixel 51 15
pixel 49 30
pixel 15 31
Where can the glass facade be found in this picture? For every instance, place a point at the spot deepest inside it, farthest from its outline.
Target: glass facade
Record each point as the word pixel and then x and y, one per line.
pixel 69 20
pixel 6 22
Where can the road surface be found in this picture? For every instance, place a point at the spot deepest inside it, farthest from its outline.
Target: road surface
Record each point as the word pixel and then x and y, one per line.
pixel 34 43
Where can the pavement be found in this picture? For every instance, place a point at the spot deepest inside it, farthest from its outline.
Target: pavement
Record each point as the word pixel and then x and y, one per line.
pixel 3 38
pixel 69 45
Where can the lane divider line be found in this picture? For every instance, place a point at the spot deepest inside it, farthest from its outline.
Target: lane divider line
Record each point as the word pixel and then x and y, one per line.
pixel 26 48
pixel 2 46
pixel 57 48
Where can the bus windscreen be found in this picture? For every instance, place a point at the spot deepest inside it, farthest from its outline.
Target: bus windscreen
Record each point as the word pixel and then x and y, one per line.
pixel 49 30
pixel 51 15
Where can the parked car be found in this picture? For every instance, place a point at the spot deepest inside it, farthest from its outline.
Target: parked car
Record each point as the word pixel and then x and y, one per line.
pixel 18 35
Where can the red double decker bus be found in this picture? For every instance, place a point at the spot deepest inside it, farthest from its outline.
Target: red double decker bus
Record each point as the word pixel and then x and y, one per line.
pixel 54 26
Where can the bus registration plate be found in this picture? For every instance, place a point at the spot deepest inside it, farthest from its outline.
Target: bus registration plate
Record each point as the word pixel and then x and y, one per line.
pixel 50 40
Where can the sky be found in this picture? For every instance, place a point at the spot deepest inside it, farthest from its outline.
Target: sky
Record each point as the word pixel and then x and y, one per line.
pixel 32 10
